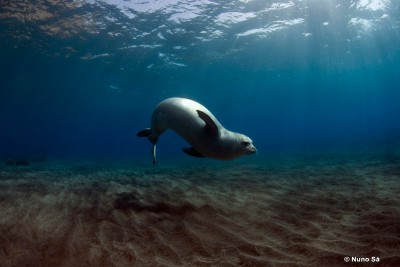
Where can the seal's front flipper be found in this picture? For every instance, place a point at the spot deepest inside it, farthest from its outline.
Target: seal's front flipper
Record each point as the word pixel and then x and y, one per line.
pixel 210 127
pixel 192 152
pixel 144 133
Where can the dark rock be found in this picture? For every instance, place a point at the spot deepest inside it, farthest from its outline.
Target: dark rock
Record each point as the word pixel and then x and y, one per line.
pixel 10 162
pixel 16 162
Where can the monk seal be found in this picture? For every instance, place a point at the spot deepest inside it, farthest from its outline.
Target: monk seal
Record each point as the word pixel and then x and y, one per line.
pixel 199 127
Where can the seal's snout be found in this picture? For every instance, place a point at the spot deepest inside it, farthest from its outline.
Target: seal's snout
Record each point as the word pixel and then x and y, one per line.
pixel 252 150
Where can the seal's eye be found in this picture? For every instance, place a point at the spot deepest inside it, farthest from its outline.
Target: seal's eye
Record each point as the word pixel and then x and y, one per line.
pixel 245 143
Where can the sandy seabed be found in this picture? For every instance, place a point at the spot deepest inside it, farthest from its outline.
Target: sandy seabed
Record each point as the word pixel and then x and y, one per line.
pixel 274 212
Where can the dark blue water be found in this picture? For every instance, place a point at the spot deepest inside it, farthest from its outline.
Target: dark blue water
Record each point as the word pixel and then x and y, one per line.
pixel 293 75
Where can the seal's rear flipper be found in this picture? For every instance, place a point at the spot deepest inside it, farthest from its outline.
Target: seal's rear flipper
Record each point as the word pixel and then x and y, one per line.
pixel 147 133
pixel 153 152
pixel 192 152
pixel 210 127
pixel 144 133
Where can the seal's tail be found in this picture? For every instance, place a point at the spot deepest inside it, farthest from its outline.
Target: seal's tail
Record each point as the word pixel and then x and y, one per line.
pixel 147 133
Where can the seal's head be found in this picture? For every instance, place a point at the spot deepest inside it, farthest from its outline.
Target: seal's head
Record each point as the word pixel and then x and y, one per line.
pixel 244 145
pixel 235 145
